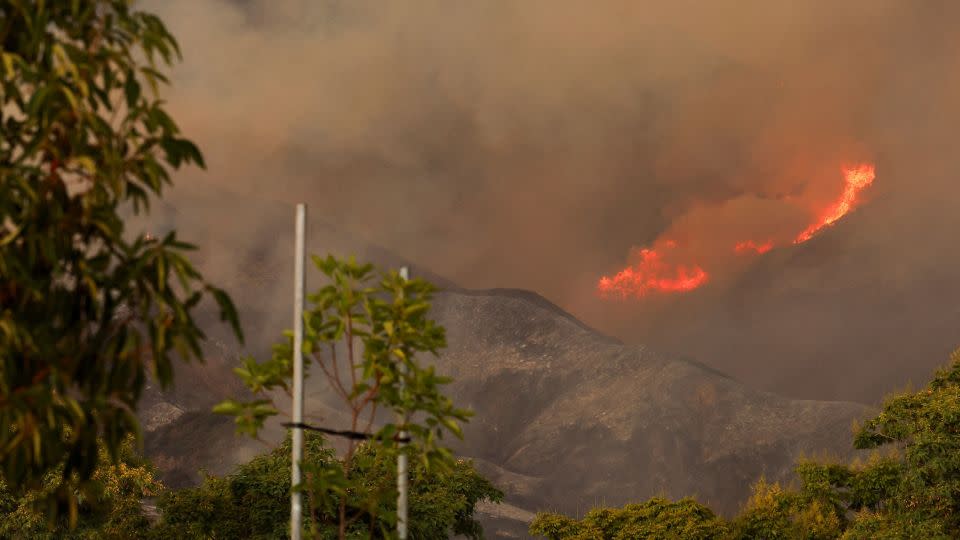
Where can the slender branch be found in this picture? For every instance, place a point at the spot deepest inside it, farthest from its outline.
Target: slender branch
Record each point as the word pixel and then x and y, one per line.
pixel 371 397
pixel 373 414
pixel 353 371
pixel 336 371
pixel 368 396
pixel 334 377
pixel 334 382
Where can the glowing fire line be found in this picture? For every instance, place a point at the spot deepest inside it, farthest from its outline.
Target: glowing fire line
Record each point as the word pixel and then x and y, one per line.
pixel 750 245
pixel 647 276
pixel 856 179
pixel 652 274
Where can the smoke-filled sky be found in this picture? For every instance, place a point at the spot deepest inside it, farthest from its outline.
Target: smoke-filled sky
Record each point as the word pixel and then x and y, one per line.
pixel 534 143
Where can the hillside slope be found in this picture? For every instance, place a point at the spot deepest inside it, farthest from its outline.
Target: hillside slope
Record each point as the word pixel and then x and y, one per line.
pixel 565 417
pixel 568 417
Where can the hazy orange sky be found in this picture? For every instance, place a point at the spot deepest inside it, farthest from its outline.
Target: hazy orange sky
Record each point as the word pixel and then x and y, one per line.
pixel 535 143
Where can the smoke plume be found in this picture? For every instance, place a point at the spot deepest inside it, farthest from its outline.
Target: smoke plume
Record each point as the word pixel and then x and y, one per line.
pixel 539 143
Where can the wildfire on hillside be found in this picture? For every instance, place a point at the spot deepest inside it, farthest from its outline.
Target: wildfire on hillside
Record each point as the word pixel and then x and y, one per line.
pixel 748 246
pixel 652 273
pixel 655 270
pixel 855 180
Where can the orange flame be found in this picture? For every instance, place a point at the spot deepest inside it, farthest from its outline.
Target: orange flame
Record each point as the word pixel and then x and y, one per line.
pixel 856 179
pixel 750 245
pixel 652 275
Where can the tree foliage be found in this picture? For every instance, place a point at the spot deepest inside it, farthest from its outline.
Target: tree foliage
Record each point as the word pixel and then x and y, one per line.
pixel 253 502
pixel 656 518
pixel 86 311
pixel 365 332
pixel 909 487
pixel 114 510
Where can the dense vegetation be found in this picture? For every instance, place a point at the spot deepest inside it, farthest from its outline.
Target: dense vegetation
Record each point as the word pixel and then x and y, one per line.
pixel 253 502
pixel 909 487
pixel 112 511
pixel 87 309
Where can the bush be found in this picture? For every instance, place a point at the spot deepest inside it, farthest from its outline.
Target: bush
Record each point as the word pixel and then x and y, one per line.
pixel 112 511
pixel 254 501
pixel 656 518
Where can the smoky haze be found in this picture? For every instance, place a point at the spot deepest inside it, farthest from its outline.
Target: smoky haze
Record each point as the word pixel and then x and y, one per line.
pixel 533 143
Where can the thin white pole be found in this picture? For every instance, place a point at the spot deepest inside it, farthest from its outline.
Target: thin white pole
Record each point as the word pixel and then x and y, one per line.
pixel 402 457
pixel 296 504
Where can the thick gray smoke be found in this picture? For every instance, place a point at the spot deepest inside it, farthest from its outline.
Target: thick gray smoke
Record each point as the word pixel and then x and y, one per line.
pixel 532 143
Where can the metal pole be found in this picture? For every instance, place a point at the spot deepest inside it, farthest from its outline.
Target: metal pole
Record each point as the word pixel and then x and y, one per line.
pixel 402 457
pixel 296 504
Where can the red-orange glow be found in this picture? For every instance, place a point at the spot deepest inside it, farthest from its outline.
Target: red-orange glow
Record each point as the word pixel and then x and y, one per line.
pixel 748 246
pixel 661 270
pixel 855 180
pixel 651 274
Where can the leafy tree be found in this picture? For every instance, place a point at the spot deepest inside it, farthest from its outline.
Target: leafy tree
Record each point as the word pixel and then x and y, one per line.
pixel 908 488
pixel 113 511
pixel 656 518
pixel 775 513
pixel 364 334
pixel 86 312
pixel 252 502
pixel 442 501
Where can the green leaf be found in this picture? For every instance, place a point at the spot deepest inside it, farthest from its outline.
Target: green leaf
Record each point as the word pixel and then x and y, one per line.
pixel 229 407
pixel 131 90
pixel 8 59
